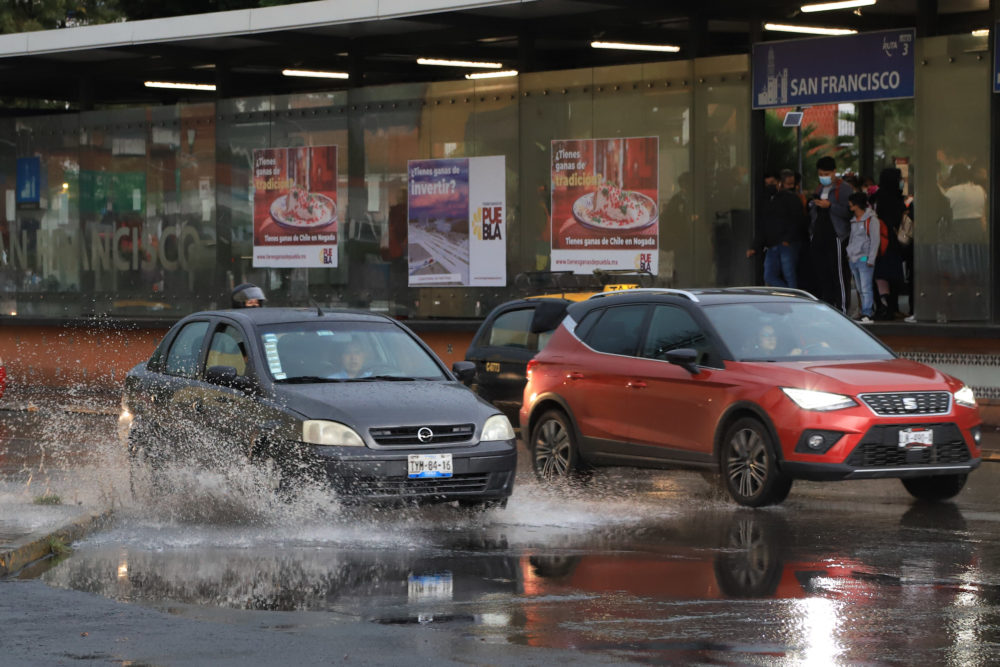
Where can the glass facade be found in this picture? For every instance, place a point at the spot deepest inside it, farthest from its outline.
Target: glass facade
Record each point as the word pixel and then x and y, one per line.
pixel 148 212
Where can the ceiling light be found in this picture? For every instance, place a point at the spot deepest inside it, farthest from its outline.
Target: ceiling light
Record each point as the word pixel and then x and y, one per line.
pixel 669 48
pixel 808 29
pixel 179 86
pixel 492 75
pixel 830 6
pixel 315 74
pixel 982 32
pixel 457 63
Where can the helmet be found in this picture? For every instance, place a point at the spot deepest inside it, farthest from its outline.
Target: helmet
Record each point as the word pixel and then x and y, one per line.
pixel 248 295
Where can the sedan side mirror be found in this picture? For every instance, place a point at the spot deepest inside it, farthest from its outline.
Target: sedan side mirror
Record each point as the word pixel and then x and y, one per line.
pixel 686 358
pixel 226 376
pixel 465 371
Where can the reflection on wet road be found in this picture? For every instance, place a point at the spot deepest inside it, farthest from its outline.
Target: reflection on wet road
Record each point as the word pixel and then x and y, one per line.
pixel 647 566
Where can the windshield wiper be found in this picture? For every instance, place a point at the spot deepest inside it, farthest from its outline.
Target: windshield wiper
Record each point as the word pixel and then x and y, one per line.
pixel 308 379
pixel 392 378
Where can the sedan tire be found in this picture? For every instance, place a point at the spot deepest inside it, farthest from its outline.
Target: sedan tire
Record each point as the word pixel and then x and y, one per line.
pixel 941 487
pixel 749 466
pixel 555 454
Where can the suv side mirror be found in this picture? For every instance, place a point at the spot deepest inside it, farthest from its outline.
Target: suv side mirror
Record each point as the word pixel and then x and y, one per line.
pixel 686 358
pixel 465 371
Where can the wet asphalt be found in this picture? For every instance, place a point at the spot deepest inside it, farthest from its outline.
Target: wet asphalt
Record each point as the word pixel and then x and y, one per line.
pixel 636 567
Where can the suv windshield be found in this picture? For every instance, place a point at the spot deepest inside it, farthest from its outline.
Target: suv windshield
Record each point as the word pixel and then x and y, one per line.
pixel 791 331
pixel 345 351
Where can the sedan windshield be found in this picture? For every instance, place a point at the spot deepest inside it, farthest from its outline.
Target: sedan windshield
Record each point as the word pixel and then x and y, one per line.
pixel 303 352
pixel 791 331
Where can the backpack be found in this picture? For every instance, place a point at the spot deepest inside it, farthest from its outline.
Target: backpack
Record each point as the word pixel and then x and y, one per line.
pixel 883 235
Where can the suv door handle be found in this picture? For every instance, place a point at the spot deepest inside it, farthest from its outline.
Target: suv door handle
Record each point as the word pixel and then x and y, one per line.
pixel 574 375
pixel 635 384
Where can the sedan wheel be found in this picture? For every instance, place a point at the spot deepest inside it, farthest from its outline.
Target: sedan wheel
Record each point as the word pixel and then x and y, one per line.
pixel 555 454
pixel 749 468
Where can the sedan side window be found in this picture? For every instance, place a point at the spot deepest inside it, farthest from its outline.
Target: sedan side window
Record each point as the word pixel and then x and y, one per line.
pixel 672 328
pixel 228 349
pixel 513 329
pixel 182 359
pixel 618 331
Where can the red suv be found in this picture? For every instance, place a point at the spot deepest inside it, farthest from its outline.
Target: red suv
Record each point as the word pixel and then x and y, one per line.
pixel 763 385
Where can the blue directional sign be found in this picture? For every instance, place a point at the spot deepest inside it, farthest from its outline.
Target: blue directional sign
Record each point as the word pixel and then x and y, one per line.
pixel 29 171
pixel 826 70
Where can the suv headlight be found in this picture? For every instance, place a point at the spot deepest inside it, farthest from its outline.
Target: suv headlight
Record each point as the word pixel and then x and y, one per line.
pixel 497 427
pixel 320 432
pixel 965 396
pixel 818 400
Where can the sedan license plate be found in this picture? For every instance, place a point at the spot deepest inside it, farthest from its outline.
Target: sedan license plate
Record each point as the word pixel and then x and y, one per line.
pixel 429 587
pixel 429 466
pixel 915 437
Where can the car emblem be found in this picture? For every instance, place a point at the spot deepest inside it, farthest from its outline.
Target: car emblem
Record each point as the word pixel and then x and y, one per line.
pixel 909 403
pixel 425 434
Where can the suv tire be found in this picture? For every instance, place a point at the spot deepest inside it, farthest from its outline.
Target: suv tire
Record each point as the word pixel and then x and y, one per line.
pixel 555 453
pixel 749 467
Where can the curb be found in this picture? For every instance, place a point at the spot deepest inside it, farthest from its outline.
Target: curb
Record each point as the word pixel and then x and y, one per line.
pixel 38 545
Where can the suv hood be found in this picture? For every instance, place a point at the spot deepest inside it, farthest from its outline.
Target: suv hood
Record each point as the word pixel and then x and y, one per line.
pixel 363 405
pixel 852 377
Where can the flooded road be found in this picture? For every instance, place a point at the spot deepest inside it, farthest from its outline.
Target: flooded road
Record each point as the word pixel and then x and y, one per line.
pixel 638 566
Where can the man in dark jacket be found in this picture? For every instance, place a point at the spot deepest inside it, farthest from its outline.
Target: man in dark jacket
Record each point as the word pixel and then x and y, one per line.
pixel 777 234
pixel 829 229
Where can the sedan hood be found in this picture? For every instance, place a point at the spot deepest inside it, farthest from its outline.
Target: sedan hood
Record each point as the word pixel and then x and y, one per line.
pixel 363 405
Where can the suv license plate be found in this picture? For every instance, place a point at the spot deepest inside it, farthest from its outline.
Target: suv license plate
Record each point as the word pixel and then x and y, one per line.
pixel 428 466
pixel 915 437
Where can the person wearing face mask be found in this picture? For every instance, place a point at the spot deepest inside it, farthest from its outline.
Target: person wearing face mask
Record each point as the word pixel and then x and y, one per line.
pixel 777 234
pixel 829 229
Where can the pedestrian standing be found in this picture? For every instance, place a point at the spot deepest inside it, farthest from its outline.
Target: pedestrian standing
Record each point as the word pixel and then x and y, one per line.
pixel 829 229
pixel 777 234
pixel 889 206
pixel 862 250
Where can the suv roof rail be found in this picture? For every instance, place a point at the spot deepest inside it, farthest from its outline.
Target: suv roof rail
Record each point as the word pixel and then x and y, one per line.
pixel 654 290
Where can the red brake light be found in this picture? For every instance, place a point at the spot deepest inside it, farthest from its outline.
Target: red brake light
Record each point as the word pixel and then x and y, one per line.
pixel 527 372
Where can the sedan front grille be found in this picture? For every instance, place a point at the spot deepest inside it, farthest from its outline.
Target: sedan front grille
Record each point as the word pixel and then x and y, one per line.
pixel 880 448
pixel 402 486
pixel 908 403
pixel 402 436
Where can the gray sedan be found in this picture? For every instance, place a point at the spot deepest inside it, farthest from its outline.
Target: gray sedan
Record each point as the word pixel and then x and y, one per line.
pixel 350 399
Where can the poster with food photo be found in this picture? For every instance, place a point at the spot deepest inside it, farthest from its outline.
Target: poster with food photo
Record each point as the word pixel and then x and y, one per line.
pixel 605 204
pixel 295 213
pixel 456 234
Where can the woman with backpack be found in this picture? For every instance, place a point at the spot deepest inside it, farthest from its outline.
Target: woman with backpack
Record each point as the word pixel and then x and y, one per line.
pixel 889 279
pixel 862 250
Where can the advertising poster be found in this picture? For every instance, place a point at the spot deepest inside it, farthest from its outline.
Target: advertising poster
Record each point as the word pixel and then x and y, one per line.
pixel 605 204
pixel 295 207
pixel 457 222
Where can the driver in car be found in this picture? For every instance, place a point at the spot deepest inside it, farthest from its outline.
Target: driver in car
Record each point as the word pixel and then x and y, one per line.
pixel 353 360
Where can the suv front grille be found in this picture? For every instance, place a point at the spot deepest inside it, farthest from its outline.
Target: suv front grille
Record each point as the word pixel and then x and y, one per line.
pixel 401 436
pixel 880 448
pixel 908 403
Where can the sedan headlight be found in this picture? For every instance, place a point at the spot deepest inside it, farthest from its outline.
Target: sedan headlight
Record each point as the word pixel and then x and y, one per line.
pixel 965 396
pixel 497 427
pixel 818 400
pixel 319 432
